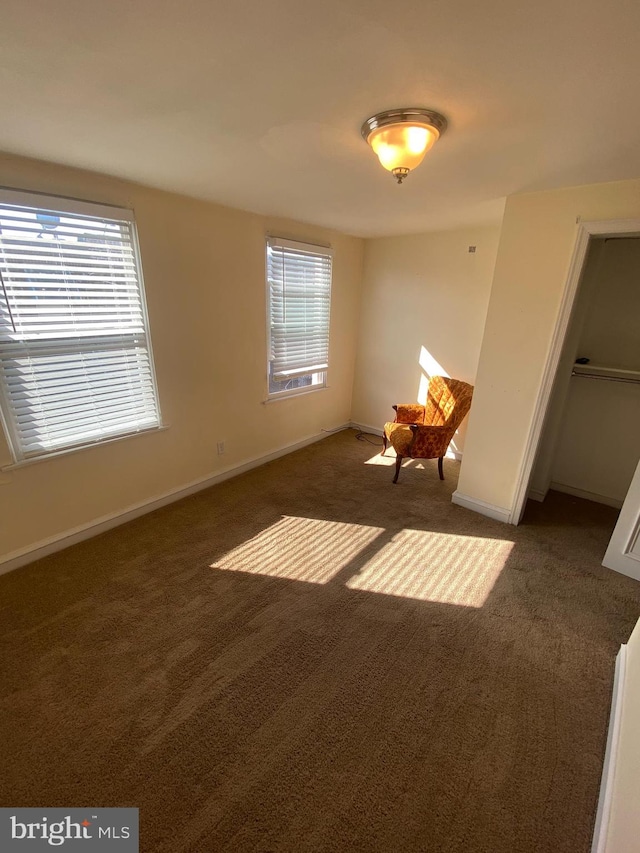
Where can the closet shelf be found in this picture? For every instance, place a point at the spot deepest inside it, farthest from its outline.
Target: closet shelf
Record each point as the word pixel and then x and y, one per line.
pixel 601 371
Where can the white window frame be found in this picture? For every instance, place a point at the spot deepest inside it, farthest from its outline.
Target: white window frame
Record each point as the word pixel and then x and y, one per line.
pixel 21 345
pixel 318 376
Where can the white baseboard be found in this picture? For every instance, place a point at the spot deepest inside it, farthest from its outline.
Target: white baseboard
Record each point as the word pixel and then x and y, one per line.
pixel 22 557
pixel 499 513
pixel 536 495
pixel 590 496
pixel 366 428
pixel 605 799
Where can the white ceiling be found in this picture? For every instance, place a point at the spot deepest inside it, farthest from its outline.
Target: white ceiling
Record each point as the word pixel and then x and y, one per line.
pixel 258 105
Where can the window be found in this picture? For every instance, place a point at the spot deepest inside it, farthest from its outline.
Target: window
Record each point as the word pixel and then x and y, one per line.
pixel 75 359
pixel 299 304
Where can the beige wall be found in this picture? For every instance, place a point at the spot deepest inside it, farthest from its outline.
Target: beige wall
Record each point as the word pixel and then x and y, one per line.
pixel 599 441
pixel 423 309
pixel 611 331
pixel 536 245
pixel 204 273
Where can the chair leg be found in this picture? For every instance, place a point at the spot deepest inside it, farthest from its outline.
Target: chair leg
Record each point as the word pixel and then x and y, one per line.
pixel 440 458
pixel 384 443
pixel 398 464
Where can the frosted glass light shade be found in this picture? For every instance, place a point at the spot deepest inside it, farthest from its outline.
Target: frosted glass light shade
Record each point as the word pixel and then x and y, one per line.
pixel 401 138
pixel 402 146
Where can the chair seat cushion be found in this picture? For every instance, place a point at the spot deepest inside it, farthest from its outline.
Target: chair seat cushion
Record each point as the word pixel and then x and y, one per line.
pixel 400 437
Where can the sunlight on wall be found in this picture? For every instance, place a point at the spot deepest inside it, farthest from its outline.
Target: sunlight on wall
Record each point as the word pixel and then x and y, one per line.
pixel 423 389
pixel 303 549
pixel 430 367
pixel 431 566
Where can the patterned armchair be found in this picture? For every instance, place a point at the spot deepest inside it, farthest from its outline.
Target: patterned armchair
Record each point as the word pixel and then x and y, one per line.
pixel 424 432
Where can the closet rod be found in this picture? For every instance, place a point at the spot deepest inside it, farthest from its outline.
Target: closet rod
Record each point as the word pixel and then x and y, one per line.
pixel 606 378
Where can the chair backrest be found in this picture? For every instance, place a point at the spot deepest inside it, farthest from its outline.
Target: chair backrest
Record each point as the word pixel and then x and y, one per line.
pixel 448 401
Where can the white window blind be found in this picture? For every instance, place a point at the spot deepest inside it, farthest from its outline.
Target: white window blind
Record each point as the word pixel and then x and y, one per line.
pixel 75 362
pixel 299 293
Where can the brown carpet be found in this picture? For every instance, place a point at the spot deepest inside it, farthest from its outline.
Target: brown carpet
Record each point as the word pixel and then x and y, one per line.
pixel 309 658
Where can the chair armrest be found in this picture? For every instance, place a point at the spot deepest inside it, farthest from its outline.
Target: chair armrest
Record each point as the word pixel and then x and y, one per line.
pixel 429 429
pixel 429 442
pixel 409 413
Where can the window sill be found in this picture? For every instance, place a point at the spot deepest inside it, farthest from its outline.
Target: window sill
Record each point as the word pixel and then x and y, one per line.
pixel 298 392
pixel 33 460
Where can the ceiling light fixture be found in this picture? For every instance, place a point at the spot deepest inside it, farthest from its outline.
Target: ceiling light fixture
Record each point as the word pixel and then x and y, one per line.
pixel 401 138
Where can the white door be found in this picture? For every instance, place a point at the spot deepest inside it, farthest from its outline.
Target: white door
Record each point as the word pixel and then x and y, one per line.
pixel 623 553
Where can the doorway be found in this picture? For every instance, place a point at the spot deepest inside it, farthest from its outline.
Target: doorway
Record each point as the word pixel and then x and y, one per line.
pixel 590 443
pixel 584 438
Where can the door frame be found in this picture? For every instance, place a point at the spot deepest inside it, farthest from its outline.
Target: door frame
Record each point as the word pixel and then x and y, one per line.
pixel 585 231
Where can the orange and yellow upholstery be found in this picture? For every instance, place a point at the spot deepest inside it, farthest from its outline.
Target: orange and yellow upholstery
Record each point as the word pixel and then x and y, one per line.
pixel 424 432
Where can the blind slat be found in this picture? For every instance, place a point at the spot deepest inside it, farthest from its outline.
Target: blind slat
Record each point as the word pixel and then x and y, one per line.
pixel 299 287
pixel 75 365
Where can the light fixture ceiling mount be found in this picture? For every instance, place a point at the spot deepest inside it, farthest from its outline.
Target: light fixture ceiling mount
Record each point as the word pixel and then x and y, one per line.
pixel 402 137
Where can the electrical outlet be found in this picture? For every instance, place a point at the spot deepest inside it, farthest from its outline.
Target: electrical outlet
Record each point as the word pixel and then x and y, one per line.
pixel 220 448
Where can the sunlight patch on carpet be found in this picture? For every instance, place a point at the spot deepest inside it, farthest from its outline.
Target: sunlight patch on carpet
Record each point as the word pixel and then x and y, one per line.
pixel 303 549
pixel 439 567
pixel 389 460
